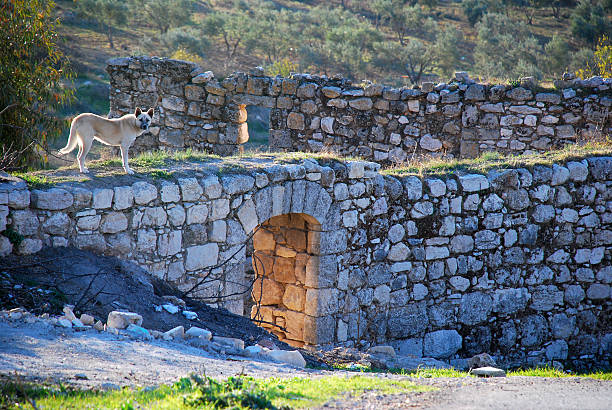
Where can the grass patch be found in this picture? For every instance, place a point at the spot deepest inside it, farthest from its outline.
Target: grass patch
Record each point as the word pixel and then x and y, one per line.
pixel 205 392
pixel 491 160
pixel 35 181
pixel 552 372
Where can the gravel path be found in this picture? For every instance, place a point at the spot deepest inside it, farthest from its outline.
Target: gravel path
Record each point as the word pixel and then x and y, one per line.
pixel 91 359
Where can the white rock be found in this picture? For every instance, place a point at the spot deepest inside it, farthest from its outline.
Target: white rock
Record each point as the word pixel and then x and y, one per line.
pixel 170 308
pixel 190 315
pixel 138 331
pixel 229 341
pixel 198 332
pixel 121 320
pixel 175 333
pixel 292 357
pixel 87 319
pixel 383 350
pixel 429 143
pixel 488 372
pixel 63 322
pixel 252 351
pixel 68 312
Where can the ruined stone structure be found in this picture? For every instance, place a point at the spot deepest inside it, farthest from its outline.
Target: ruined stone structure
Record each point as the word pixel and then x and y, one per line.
pixel 517 263
pixel 378 123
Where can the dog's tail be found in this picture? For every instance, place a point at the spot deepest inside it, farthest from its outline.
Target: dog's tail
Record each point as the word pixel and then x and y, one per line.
pixel 72 141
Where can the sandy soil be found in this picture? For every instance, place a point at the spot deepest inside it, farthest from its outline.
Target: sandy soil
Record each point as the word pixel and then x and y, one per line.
pixel 39 351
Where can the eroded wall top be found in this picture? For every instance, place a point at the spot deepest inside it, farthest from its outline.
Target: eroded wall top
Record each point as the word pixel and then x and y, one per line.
pixel 379 123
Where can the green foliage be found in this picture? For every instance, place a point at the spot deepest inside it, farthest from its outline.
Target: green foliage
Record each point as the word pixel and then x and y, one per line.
pixel 13 236
pixel 32 68
pixel 164 14
pixel 188 39
pixel 272 33
pixel 235 392
pixel 283 67
pixel 447 53
pixel 475 9
pixel 600 63
pixel 555 59
pixel 505 48
pixel 34 180
pixel 108 13
pixel 231 28
pixel 589 21
pixel 336 39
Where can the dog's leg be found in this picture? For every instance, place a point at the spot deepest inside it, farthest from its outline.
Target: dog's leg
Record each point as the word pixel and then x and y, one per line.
pixel 83 151
pixel 124 158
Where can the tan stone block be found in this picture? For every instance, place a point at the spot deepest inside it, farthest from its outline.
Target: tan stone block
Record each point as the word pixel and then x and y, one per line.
pixel 270 294
pixel 264 313
pixel 296 239
pixel 284 270
pixel 312 272
pixel 314 242
pixel 263 263
pixel 297 221
pixel 285 252
pixel 263 240
pixel 295 121
pixel 301 261
pixel 294 324
pixel 294 298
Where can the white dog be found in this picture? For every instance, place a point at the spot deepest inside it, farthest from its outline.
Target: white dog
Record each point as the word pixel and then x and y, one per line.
pixel 117 132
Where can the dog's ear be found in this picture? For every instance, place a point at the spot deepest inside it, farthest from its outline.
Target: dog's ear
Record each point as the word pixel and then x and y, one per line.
pixel 138 111
pixel 150 112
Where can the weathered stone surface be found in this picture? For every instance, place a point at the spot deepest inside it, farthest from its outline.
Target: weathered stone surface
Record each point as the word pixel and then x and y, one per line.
pixel 442 343
pixel 473 182
pixel 202 256
pixel 121 320
pixel 143 192
pixel 474 308
pixel 53 199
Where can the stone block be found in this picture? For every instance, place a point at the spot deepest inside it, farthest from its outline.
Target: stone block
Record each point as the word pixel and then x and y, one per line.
pixel 102 198
pixel 54 199
pixel 144 192
pixel 442 343
pixel 202 256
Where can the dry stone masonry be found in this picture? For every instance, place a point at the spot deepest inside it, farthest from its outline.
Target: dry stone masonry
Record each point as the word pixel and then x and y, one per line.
pixel 382 124
pixel 516 263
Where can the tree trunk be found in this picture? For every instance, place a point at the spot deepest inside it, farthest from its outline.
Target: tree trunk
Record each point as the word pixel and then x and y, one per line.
pixel 110 37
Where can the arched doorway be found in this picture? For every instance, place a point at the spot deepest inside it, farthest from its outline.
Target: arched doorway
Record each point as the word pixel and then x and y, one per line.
pixel 285 261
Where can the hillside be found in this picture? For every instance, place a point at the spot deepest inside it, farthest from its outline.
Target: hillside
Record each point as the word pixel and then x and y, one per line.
pixel 389 41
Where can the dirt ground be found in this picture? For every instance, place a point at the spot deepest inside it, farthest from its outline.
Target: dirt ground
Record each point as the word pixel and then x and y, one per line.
pixel 90 359
pixel 97 284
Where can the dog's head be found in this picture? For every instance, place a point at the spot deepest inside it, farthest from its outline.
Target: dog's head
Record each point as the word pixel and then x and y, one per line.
pixel 143 119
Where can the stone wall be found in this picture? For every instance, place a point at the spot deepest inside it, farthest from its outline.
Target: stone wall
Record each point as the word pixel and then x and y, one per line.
pixel 382 124
pixel 517 263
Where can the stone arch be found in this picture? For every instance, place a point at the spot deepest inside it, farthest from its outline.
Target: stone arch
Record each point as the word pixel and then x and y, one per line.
pixel 290 292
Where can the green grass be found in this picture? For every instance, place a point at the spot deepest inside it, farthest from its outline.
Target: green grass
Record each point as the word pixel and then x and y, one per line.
pixel 435 373
pixel 204 392
pixel 552 372
pixel 491 160
pixel 35 181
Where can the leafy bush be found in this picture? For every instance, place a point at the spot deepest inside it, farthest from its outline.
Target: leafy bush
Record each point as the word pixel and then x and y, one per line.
pixel 556 53
pixel 32 68
pixel 600 62
pixel 475 9
pixel 589 21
